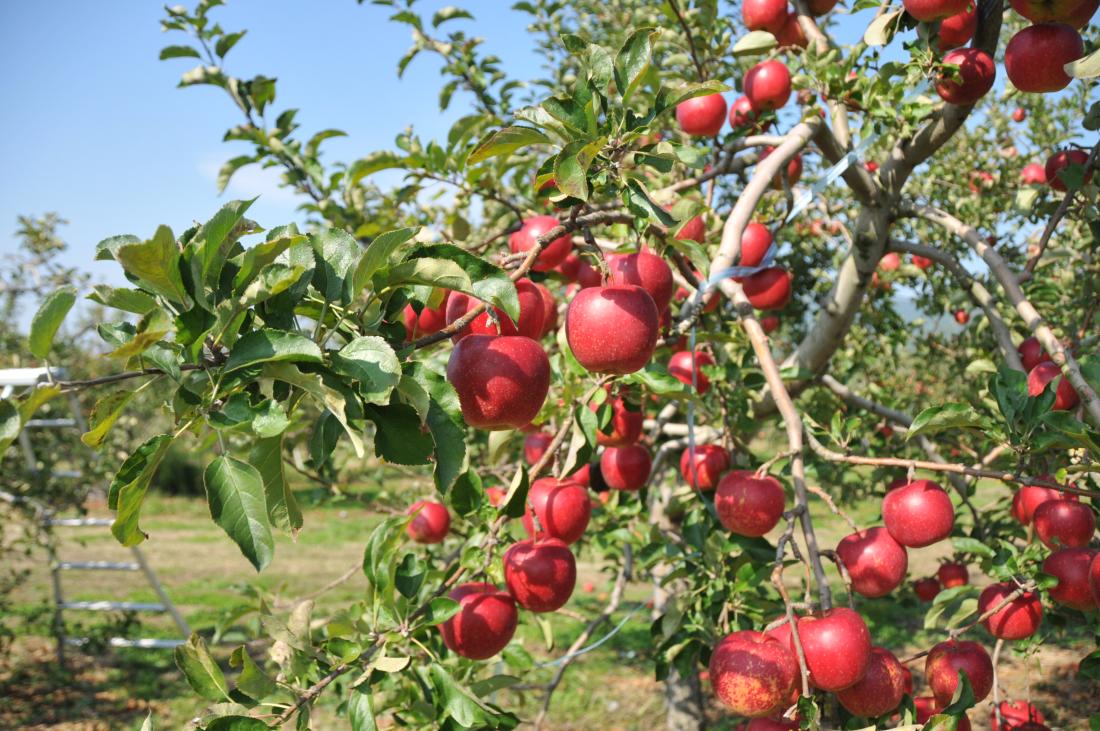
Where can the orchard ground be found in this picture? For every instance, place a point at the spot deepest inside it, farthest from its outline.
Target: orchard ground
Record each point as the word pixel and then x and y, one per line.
pixel 609 689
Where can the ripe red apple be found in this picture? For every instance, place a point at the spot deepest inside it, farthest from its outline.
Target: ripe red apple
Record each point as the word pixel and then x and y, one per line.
pixel 1035 56
pixel 1071 567
pixel 694 230
pixel 1059 161
pixel 926 707
pixel 753 674
pixel 1046 11
pixel 769 323
pixel 1015 714
pixel 976 74
pixel 770 724
pixel 782 632
pixel 588 276
pixel 1033 174
pixel 1094 579
pixel 769 15
pixel 957 30
pixel 532 311
pixel 953 574
pixel 646 270
pixel 1066 523
pixel 1018 619
pixel 1080 17
pixel 837 646
pixel 553 253
pixel 881 688
pixel 549 309
pixel 793 171
pixel 926 589
pixel 680 368
pixel 702 116
pixel 768 84
pixel 612 329
pixel 889 262
pixel 562 509
pixel 1065 397
pixel 962 317
pixel 929 10
pixel 748 505
pixel 626 425
pixel 704 472
pixel 535 445
pixel 768 289
pixel 501 381
pixel 495 495
pixel 625 468
pixel 791 35
pixel 570 267
pixel 485 622
pixel 744 115
pixel 918 514
pixel 922 262
pixel 980 180
pixel 755 242
pixel 1030 497
pixel 430 523
pixel 540 575
pixel 876 562
pixel 1031 350
pixel 818 8
pixel 428 321
pixel 945 660
pixel 583 476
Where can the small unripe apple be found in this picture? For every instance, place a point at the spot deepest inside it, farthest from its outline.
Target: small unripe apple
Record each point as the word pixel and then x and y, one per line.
pixel 646 270
pixel 1059 161
pixel 926 589
pixel 769 15
pixel 626 425
pixel 1035 57
pixel 535 445
pixel 945 660
pixel 1066 523
pixel 680 368
pixel 748 505
pixel 976 75
pixel 540 574
pixel 768 85
pixel 553 254
pixel 561 507
pixel 918 514
pixel 837 647
pixel 1016 620
pixel 957 30
pixel 625 468
pixel 880 690
pixel 929 10
pixel 1065 396
pixel 768 289
pixel 702 116
pixel 430 522
pixel 485 622
pixel 704 472
pixel 1071 567
pixel 753 674
pixel 612 329
pixel 876 562
pixel 953 574
pixel 501 382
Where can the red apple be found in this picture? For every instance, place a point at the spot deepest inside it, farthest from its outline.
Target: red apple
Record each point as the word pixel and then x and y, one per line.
pixel 1019 114
pixel 495 495
pixel 1030 497
pixel 744 115
pixel 562 509
pixel 694 230
pixel 428 321
pixel 680 368
pixel 782 632
pixel 535 445
pixel 1065 397
pixel 945 660
pixel 818 8
pixel 501 381
pixel 952 575
pixel 957 30
pixel 768 289
pixel 755 242
pixel 889 262
pixel 1014 715
pixel 702 116
pixel 612 329
pixel 1080 17
pixel 553 253
pixel 753 674
pixel 962 317
pixel 769 15
pixel 1064 523
pixel 1031 350
pixel 876 562
pixel 837 646
pixel 570 267
pixel 881 688
pixel 926 707
pixel 1018 619
pixel 1094 579
pixel 705 470
pixel 485 622
pixel 430 522
pixel 770 724
pixel 531 314
pixel 646 270
pixel 549 310
pixel 1059 161
pixel 1033 174
pixel 976 74
pixel 979 181
pixel 1035 56
pixel 748 505
pixel 626 425
pixel 791 34
pixel 922 262
pixel 588 276
pixel 540 575
pixel 793 171
pixel 583 476
pixel 625 468
pixel 926 589
pixel 768 85
pixel 588 587
pixel 1071 567
pixel 918 514
pixel 1047 11
pixel 929 10
pixel 769 323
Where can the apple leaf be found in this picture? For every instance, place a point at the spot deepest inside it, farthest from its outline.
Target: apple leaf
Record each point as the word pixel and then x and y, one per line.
pixel 881 30
pixel 1085 68
pixel 235 492
pixel 755 43
pixel 633 60
pixel 947 416
pixel 506 141
pixel 48 319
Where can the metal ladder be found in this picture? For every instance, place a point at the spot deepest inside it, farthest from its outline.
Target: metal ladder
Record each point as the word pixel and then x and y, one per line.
pixel 31 378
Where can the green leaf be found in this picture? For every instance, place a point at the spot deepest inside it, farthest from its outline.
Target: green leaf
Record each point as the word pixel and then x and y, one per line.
pixel 107 249
pixel 972 545
pixel 505 142
pixel 226 42
pixel 571 167
pixel 237 723
pixel 337 254
pixel 48 319
pixel 127 491
pixel 398 435
pixel 458 703
pixel 1084 68
pixel 882 29
pixel 373 163
pixel 432 272
pixel 378 557
pixel 235 492
pixel 201 671
pixel 231 166
pixel 360 710
pixel 632 61
pixel 10 424
pixel 282 508
pixel 178 52
pixel 948 416
pixel 754 43
pixel 104 415
pixel 449 13
pixel 489 283
pixel 450 446
pixel 655 379
pixel 122 298
pixel 379 254
pixel 264 346
pixel 155 264
pixel 312 384
pixel 371 361
pixel 252 681
pixel 212 242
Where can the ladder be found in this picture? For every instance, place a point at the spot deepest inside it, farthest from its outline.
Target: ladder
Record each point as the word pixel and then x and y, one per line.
pixel 31 378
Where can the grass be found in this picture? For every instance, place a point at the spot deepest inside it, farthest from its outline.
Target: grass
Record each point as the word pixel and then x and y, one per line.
pixel 611 688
